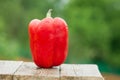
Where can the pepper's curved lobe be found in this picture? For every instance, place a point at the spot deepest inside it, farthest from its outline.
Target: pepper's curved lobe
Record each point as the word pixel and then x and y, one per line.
pixel 61 41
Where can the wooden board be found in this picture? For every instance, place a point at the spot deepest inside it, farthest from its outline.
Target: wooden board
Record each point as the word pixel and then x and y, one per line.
pixel 68 73
pixel 29 71
pixel 18 70
pixel 8 68
pixel 80 72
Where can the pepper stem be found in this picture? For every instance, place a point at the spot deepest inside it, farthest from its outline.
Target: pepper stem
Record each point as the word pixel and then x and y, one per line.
pixel 49 13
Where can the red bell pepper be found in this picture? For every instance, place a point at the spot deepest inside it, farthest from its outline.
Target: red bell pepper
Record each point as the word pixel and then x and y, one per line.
pixel 48 41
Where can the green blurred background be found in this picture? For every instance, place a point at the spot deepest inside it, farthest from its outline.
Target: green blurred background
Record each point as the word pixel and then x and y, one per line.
pixel 94 30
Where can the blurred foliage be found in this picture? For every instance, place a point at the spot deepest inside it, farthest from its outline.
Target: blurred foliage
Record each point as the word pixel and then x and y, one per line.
pixel 94 35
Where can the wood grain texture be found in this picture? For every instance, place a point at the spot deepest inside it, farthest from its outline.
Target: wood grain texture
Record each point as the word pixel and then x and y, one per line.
pixel 68 72
pixel 18 70
pixel 80 72
pixel 29 71
pixel 8 68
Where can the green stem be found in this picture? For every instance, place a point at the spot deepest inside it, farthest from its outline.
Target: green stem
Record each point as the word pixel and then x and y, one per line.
pixel 49 13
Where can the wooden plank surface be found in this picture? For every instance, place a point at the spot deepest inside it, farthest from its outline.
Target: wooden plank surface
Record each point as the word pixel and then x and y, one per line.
pixel 8 68
pixel 67 72
pixel 88 72
pixel 80 72
pixel 29 71
pixel 18 70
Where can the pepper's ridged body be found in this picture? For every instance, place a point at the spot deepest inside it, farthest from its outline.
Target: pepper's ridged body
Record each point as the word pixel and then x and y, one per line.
pixel 48 41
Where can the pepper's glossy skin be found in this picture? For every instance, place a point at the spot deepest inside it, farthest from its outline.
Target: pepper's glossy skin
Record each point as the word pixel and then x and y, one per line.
pixel 48 41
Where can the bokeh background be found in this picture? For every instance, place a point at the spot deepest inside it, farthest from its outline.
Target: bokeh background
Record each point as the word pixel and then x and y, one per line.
pixel 94 30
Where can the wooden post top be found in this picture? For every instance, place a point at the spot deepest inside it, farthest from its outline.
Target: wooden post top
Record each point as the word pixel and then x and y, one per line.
pixel 19 70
